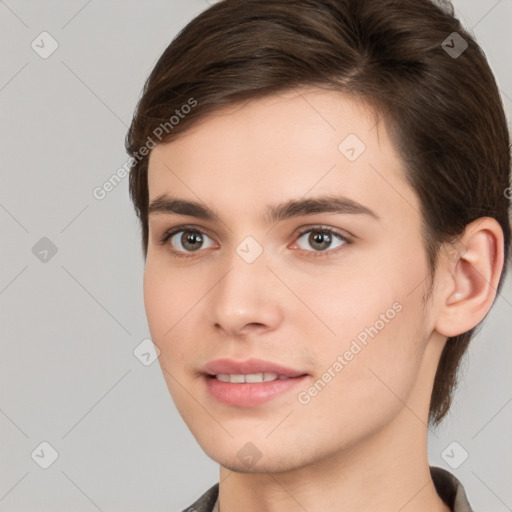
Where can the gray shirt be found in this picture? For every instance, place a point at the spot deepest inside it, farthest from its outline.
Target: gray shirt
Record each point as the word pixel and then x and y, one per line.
pixel 447 486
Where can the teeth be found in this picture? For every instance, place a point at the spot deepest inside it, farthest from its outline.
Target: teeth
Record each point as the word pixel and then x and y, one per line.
pixel 251 377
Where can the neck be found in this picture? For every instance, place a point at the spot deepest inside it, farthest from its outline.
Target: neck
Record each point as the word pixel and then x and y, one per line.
pixel 387 472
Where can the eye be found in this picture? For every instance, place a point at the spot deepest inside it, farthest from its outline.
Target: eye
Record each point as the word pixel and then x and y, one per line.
pixel 320 239
pixel 185 240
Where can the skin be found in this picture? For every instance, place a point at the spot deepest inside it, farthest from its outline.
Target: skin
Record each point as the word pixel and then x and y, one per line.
pixel 360 443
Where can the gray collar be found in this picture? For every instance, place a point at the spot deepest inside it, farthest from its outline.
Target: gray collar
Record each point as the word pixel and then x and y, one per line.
pixel 448 487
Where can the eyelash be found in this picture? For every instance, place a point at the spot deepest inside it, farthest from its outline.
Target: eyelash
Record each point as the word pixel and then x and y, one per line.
pixel 314 254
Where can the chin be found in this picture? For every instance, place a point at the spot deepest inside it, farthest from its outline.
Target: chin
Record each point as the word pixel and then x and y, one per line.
pixel 274 461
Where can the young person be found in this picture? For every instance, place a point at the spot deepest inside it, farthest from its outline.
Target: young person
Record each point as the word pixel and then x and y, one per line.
pixel 322 190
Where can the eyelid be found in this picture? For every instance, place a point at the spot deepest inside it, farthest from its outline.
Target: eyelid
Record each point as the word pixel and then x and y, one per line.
pixel 168 233
pixel 324 227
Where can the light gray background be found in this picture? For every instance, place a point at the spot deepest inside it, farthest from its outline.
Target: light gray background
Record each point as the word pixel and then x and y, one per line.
pixel 69 326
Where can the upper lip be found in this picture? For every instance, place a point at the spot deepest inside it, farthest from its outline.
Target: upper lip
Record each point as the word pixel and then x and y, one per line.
pixel 232 367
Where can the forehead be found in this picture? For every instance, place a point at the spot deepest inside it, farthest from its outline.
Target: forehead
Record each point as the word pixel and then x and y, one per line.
pixel 297 143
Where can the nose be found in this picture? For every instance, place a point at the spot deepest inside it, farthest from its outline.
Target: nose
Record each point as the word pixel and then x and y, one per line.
pixel 247 298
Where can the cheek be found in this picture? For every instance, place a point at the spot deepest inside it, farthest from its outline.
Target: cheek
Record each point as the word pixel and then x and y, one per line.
pixel 369 292
pixel 337 305
pixel 372 378
pixel 168 297
pixel 377 339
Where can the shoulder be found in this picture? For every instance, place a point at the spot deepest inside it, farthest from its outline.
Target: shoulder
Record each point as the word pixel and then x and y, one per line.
pixel 450 489
pixel 205 502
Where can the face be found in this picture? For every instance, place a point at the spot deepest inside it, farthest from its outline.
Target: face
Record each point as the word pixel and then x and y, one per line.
pixel 334 292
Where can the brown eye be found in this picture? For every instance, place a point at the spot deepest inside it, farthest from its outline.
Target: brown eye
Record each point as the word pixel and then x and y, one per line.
pixel 321 239
pixel 191 240
pixel 183 241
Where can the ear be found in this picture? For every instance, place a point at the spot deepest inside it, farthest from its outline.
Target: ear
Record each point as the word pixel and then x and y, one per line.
pixel 469 276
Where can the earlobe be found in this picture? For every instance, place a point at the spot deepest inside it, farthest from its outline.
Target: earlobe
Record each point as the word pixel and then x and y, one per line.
pixel 472 274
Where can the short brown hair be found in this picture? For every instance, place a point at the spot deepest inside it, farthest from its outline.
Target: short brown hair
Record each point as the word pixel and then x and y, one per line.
pixel 443 110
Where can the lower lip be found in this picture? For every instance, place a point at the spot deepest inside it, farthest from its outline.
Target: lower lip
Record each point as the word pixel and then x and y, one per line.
pixel 250 394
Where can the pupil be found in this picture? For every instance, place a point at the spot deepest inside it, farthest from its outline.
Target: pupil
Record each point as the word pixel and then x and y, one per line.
pixel 321 238
pixel 191 239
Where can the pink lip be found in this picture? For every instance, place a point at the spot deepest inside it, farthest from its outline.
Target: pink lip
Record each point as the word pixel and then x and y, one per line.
pixel 249 394
pixel 233 367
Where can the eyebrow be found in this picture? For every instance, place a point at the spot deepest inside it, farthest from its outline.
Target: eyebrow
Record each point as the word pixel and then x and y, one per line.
pixel 165 204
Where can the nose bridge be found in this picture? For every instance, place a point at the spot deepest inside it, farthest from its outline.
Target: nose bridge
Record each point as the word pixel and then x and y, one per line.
pixel 246 294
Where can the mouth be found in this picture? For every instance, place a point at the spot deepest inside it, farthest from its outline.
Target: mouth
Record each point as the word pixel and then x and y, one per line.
pixel 249 383
pixel 250 390
pixel 257 370
pixel 251 378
